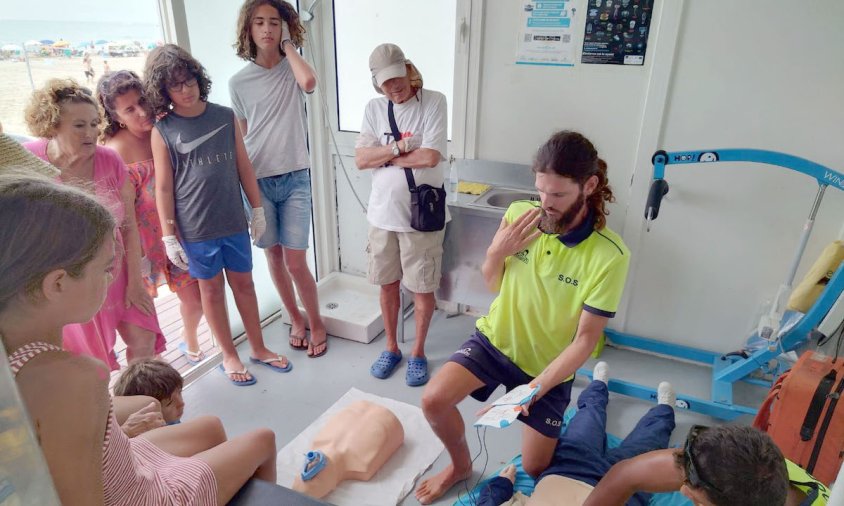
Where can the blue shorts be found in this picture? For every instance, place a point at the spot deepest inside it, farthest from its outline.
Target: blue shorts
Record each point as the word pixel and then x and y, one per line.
pixel 206 259
pixel 287 206
pixel 492 367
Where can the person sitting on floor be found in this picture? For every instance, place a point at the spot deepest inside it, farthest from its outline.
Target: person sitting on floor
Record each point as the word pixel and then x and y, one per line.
pixel 581 457
pixel 157 379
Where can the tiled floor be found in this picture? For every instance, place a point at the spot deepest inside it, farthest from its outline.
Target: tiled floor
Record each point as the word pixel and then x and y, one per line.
pixel 287 403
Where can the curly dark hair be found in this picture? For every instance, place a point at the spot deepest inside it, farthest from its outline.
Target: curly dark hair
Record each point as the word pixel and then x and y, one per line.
pixel 245 46
pixel 109 88
pixel 165 65
pixel 571 155
pixel 43 113
pixel 742 463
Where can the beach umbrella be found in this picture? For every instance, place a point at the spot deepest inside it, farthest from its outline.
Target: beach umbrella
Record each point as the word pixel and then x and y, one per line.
pixel 46 42
pixel 31 43
pixel 61 43
pixel 101 41
pixel 10 47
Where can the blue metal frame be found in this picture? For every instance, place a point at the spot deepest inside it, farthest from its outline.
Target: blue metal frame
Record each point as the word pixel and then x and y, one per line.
pixel 726 370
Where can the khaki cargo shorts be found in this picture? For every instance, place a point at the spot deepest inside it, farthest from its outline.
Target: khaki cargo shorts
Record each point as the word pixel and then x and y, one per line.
pixel 415 258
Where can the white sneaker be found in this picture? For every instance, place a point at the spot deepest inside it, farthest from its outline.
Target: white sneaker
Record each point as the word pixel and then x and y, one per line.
pixel 665 394
pixel 601 372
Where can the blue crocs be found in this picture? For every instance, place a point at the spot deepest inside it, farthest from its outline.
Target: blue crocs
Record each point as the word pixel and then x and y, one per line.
pixel 417 371
pixel 385 365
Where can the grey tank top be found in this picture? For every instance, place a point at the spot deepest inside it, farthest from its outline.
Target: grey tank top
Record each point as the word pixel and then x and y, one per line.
pixel 206 184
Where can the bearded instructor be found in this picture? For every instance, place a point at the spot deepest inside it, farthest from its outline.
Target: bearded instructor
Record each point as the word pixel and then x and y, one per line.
pixel 559 272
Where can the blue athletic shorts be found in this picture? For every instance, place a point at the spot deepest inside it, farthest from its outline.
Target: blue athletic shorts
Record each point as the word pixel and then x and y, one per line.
pixel 492 367
pixel 206 259
pixel 286 199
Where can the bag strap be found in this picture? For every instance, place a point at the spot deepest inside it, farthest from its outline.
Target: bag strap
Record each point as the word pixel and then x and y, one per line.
pixel 408 174
pixel 813 414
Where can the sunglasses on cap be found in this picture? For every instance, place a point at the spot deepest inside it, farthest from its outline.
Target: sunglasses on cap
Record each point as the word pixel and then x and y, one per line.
pixel 692 474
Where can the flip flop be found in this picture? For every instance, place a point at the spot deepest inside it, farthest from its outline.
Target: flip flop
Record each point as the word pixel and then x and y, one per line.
pixel 303 346
pixel 237 383
pixel 385 365
pixel 324 350
pixel 193 357
pixel 417 371
pixel 266 363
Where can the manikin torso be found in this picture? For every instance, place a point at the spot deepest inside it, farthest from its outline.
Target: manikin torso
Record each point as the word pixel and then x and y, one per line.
pixel 356 442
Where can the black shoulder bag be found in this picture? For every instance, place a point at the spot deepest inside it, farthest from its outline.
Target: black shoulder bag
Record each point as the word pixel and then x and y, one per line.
pixel 427 203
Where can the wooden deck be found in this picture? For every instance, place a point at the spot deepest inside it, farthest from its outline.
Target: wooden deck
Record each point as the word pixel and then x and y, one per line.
pixel 167 307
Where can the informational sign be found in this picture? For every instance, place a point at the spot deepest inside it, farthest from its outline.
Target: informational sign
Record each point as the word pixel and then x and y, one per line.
pixel 545 33
pixel 617 31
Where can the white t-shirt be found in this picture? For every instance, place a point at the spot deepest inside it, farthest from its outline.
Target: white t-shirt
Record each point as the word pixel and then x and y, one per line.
pixel 276 131
pixel 425 115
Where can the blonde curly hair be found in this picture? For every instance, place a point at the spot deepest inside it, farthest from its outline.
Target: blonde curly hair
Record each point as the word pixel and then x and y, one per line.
pixel 44 111
pixel 245 46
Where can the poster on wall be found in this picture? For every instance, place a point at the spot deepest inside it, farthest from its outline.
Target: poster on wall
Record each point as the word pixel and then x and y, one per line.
pixel 545 34
pixel 617 31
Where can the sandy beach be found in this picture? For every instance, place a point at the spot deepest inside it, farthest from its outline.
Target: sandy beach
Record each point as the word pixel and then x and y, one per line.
pixel 15 87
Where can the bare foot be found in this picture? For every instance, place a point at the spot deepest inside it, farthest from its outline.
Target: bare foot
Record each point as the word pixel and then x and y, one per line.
pixel 236 365
pixel 281 360
pixel 431 489
pixel 318 343
pixel 509 472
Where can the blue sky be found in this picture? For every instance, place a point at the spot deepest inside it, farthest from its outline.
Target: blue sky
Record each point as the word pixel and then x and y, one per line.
pixel 126 11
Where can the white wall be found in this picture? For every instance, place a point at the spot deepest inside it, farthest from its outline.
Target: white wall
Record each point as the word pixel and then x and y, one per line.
pixel 750 74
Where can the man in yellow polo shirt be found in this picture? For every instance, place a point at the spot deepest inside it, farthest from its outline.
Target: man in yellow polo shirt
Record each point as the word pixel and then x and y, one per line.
pixel 560 273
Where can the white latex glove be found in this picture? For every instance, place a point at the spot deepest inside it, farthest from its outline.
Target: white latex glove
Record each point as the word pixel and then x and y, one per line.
pixel 285 34
pixel 408 144
pixel 258 224
pixel 175 252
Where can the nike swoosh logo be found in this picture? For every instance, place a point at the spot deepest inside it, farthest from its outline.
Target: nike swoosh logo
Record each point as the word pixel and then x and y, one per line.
pixel 184 148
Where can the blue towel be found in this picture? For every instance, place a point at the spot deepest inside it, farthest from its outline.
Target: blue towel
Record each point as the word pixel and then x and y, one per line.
pixel 525 484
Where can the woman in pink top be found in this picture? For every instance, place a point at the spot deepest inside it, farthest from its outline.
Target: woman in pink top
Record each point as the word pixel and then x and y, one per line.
pixel 129 123
pixel 63 281
pixel 67 119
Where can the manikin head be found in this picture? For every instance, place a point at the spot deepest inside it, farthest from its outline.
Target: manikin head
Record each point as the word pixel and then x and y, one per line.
pixel 356 442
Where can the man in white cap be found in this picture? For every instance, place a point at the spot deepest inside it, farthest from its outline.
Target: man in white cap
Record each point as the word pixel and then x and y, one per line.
pixel 397 252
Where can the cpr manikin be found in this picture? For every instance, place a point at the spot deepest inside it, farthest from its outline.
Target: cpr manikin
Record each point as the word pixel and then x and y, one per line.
pixel 353 445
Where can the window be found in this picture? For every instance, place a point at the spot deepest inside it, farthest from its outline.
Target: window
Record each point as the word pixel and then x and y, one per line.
pixel 47 39
pixel 424 31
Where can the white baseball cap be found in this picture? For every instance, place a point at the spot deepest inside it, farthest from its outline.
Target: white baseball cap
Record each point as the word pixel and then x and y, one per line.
pixel 386 62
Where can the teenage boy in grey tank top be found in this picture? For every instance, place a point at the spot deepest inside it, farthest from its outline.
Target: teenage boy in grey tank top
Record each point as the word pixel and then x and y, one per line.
pixel 267 100
pixel 200 166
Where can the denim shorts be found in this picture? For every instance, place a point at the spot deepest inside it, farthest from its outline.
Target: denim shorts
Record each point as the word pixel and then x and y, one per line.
pixel 492 367
pixel 287 206
pixel 208 258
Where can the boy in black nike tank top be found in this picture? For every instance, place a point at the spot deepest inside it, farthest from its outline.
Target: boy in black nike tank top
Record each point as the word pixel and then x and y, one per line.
pixel 200 165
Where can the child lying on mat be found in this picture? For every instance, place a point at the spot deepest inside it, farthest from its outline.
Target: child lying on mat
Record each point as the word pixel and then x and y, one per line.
pixel 581 457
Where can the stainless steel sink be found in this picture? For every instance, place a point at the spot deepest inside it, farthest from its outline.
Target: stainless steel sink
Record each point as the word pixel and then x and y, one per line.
pixel 501 198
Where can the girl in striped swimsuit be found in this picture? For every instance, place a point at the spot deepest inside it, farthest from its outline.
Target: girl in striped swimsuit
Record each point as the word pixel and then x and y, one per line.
pixel 45 285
